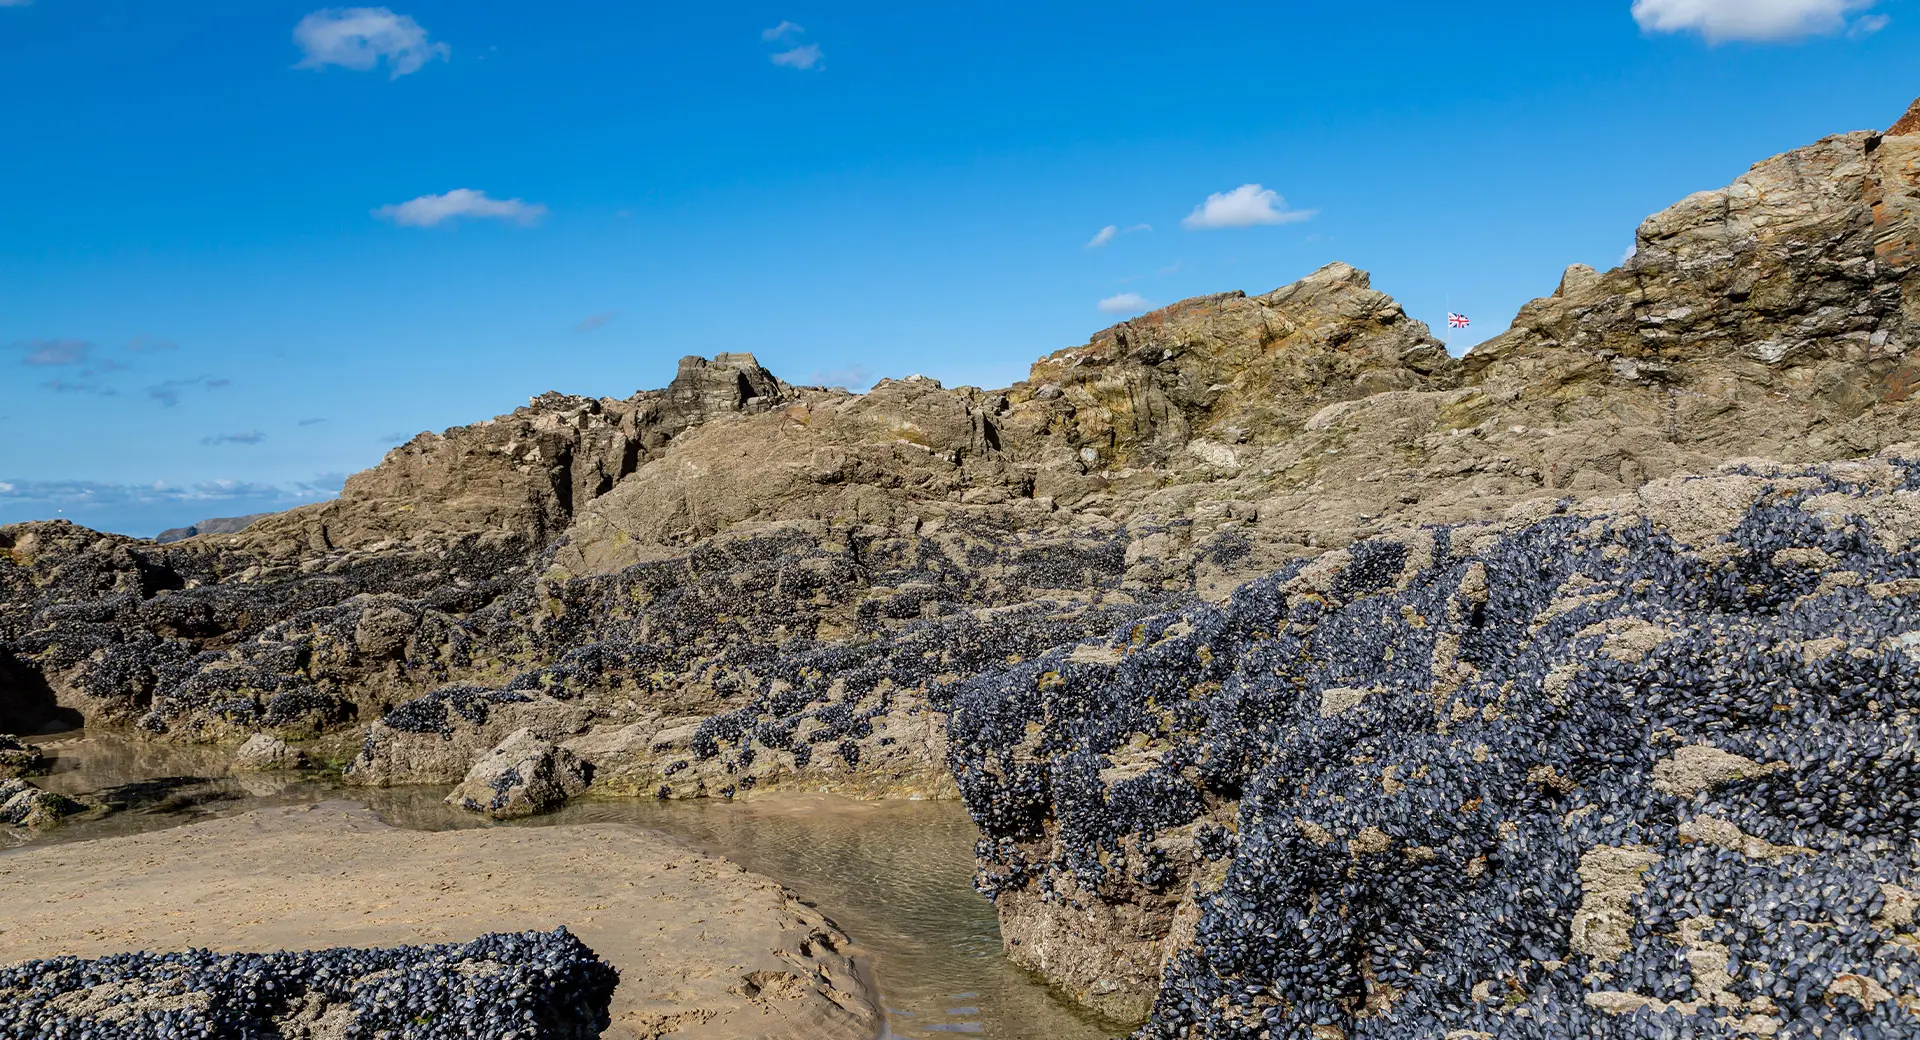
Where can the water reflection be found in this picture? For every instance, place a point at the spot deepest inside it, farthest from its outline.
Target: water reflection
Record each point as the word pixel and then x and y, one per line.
pixel 896 875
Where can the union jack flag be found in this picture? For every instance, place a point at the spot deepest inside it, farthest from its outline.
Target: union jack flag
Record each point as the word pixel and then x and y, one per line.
pixel 1458 321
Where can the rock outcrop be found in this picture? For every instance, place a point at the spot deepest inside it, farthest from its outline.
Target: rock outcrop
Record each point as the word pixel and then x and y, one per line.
pixel 519 478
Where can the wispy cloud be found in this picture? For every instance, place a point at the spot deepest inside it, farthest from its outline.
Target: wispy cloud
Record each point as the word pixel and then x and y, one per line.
pixel 360 38
pixel 55 352
pixel 396 438
pixel 249 437
pixel 853 377
pixel 1867 25
pixel 1245 206
pixel 89 493
pixel 15 3
pixel 594 321
pixel 310 422
pixel 168 392
pixel 1125 303
pixel 85 384
pixel 781 31
pixel 150 345
pixel 1757 20
pixel 84 367
pixel 432 210
pixel 1112 231
pixel 805 56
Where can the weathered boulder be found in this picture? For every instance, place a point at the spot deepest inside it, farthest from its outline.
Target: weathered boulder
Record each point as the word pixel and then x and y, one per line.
pixel 523 776
pixel 266 753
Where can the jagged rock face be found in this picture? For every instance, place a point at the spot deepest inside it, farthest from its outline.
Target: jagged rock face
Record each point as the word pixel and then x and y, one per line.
pixel 1229 368
pixel 1789 297
pixel 1643 765
pixel 900 452
pixel 519 477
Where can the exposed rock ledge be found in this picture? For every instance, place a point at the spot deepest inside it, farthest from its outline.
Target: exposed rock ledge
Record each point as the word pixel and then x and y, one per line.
pixel 704 948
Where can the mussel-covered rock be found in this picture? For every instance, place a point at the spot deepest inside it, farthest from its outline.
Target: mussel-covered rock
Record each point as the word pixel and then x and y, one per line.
pixel 497 987
pixel 24 805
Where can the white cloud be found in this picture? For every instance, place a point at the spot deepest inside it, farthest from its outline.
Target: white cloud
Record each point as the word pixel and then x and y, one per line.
pixel 1125 303
pixel 805 56
pixel 1113 231
pixel 361 37
pixel 1245 206
pixel 1720 20
pixel 430 210
pixel 781 31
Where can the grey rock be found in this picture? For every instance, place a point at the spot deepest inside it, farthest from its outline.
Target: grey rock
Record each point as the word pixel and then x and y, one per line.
pixel 265 753
pixel 523 776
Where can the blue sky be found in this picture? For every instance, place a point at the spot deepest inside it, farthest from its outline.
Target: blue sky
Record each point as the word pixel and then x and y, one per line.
pixel 245 245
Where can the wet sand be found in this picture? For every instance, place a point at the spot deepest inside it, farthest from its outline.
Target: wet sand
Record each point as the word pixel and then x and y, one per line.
pixel 705 948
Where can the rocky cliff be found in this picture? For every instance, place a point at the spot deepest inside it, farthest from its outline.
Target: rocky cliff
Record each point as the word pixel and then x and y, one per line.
pixel 1040 595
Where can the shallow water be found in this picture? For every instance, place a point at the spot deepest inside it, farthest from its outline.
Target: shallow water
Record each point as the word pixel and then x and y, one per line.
pixel 896 875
